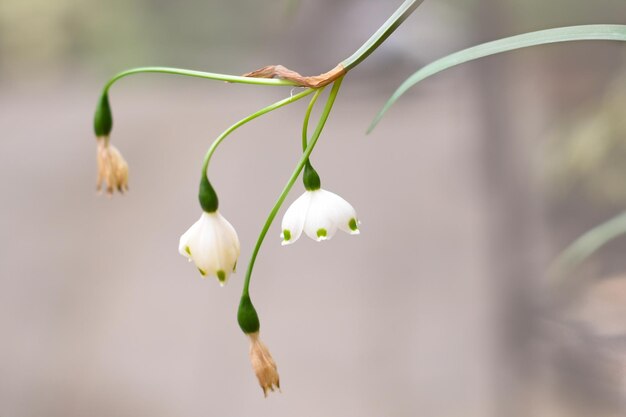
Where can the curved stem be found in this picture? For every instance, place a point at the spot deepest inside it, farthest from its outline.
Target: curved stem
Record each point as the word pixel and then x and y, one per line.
pixel 221 137
pixel 382 33
pixel 587 244
pixel 307 115
pixel 197 74
pixel 294 176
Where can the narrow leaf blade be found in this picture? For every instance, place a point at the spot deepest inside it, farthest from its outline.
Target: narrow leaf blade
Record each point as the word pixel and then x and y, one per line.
pixel 542 37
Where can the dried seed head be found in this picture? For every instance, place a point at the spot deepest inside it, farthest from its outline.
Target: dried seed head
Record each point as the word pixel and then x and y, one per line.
pixel 263 364
pixel 112 168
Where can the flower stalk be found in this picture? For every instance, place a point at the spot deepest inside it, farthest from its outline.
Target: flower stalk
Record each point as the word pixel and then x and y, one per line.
pixel 294 176
pixel 247 317
pixel 212 243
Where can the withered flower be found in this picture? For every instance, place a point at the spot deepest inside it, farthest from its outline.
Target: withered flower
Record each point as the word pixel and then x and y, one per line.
pixel 112 168
pixel 263 364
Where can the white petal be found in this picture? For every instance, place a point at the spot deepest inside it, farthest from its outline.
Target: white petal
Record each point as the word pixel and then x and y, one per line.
pixel 203 245
pixel 227 246
pixel 183 244
pixel 294 218
pixel 327 212
pixel 212 244
pixel 343 213
pixel 320 223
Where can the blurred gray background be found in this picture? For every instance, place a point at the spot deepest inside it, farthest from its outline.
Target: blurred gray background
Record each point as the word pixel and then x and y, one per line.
pixel 469 187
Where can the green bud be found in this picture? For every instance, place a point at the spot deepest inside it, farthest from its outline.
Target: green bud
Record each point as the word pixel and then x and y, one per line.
pixel 310 178
pixel 103 120
pixel 247 317
pixel 207 195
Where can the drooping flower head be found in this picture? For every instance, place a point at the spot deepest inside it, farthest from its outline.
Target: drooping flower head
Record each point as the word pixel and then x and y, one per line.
pixel 262 362
pixel 112 168
pixel 211 242
pixel 319 214
pixel 213 246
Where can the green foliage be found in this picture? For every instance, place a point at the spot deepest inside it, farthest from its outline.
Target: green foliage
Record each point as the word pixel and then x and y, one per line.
pixel 542 37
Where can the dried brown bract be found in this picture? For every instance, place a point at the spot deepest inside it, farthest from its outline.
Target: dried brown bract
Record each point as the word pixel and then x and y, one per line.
pixel 315 81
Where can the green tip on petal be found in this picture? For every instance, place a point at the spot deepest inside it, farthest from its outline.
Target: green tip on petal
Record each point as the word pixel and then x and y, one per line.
pixel 286 235
pixel 235 267
pixel 202 272
pixel 221 276
pixel 322 233
pixel 352 224
pixel 188 250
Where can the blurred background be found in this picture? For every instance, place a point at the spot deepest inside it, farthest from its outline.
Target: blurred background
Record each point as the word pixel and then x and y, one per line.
pixel 467 190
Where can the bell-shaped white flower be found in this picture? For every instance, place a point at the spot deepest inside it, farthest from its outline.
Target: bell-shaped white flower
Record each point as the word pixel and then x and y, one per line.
pixel 319 213
pixel 212 244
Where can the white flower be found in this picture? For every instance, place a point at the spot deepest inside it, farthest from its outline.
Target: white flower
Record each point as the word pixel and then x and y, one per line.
pixel 212 244
pixel 319 213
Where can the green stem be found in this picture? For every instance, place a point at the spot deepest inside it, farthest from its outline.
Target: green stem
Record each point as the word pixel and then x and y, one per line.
pixel 363 52
pixel 587 244
pixel 206 194
pixel 307 116
pixel 278 104
pixel 197 74
pixel 294 176
pixel 382 33
pixel 310 177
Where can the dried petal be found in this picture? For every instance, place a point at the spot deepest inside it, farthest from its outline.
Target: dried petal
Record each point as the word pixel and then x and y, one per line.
pixel 112 168
pixel 263 364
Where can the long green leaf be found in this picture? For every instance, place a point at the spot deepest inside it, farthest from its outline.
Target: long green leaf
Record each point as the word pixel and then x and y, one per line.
pixel 564 34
